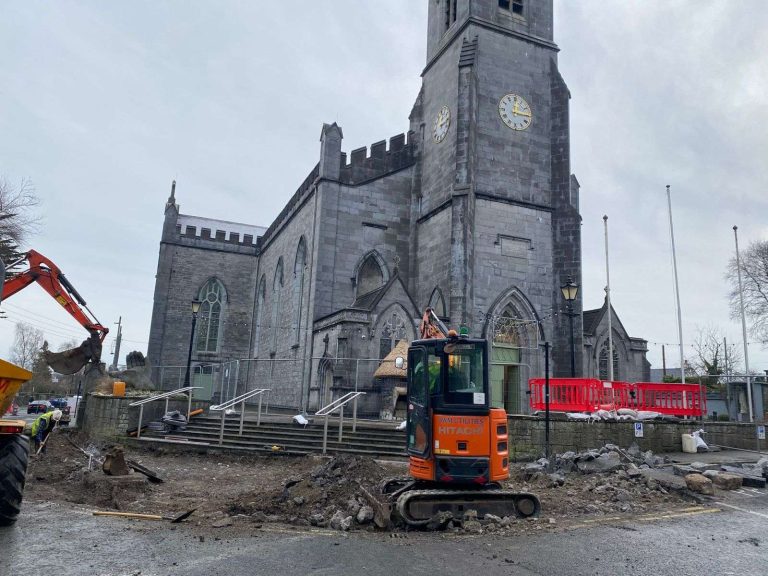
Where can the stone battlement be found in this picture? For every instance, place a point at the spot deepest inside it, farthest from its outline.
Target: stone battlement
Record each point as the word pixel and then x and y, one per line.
pixel 363 166
pixel 217 230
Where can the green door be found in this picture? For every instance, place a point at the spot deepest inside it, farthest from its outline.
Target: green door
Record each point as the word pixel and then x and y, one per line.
pixel 202 376
pixel 505 378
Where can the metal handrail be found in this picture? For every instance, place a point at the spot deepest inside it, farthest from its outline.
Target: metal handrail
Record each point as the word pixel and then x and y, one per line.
pixel 339 404
pixel 238 400
pixel 167 396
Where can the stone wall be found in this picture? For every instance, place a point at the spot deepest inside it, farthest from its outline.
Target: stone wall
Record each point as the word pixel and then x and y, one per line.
pixel 527 435
pixel 110 417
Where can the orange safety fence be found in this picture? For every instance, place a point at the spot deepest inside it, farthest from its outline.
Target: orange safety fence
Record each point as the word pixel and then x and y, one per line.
pixel 591 394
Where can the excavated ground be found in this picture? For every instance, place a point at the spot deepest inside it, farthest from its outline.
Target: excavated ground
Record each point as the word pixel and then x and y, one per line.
pixel 243 493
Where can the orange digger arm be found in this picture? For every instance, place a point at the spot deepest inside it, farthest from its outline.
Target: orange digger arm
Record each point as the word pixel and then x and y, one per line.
pixel 53 281
pixel 432 327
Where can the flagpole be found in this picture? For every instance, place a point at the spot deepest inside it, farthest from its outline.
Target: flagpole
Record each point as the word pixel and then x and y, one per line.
pixel 743 325
pixel 608 301
pixel 677 290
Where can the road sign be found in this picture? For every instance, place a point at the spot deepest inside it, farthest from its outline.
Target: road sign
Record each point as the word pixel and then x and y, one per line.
pixel 639 430
pixel 761 432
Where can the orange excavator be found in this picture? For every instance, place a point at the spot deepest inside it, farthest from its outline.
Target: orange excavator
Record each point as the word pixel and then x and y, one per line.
pixel 456 442
pixel 50 277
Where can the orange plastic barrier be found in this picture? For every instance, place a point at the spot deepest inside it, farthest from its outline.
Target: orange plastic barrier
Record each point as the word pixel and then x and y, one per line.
pixel 591 394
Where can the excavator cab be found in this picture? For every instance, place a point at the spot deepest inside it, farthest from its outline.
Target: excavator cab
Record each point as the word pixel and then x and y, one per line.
pixel 453 435
pixel 456 442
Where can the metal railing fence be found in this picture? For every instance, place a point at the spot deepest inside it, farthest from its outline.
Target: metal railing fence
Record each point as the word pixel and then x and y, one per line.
pixel 166 396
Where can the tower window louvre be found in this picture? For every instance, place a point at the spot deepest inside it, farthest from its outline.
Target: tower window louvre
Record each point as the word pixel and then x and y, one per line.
pixel 450 13
pixel 515 5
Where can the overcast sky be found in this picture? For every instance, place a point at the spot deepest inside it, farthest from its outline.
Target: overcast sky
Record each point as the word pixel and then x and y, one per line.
pixel 103 104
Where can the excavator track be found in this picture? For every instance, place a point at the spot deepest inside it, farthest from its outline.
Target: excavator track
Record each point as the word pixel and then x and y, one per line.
pixel 418 507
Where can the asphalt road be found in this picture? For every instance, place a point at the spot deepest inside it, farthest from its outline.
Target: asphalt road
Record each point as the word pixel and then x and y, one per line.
pixel 716 539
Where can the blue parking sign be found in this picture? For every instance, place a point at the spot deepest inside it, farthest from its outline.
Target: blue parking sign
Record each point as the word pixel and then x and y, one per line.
pixel 638 429
pixel 761 432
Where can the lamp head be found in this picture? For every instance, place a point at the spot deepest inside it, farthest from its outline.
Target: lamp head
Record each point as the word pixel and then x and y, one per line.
pixel 569 290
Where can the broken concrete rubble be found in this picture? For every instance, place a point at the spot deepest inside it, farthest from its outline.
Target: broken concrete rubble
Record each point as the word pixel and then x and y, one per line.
pixel 700 484
pixel 605 462
pixel 750 477
pixel 726 481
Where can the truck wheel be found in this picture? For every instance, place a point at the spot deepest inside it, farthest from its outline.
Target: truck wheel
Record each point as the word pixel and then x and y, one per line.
pixel 14 453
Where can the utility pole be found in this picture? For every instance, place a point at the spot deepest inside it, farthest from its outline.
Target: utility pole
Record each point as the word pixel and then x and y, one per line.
pixel 118 338
pixel 743 325
pixel 663 361
pixel 727 376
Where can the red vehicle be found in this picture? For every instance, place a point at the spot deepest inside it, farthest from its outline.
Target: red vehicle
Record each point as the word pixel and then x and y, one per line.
pixel 13 409
pixel 39 407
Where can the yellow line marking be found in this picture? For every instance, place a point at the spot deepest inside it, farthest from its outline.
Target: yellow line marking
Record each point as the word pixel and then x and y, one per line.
pixel 318 532
pixel 696 510
pixel 679 515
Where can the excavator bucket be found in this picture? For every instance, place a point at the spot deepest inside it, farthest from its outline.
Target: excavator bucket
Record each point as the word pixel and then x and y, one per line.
pixel 71 361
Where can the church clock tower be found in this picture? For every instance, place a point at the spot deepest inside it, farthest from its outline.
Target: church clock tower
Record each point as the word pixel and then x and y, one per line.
pixel 498 226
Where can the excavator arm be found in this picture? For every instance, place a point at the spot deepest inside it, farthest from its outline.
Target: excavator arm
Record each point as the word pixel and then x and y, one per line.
pixel 432 327
pixel 50 277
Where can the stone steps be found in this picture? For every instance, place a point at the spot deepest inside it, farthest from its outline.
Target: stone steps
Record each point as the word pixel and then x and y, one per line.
pixel 290 439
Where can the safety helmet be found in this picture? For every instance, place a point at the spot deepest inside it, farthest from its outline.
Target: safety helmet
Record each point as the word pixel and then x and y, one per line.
pixel 56 415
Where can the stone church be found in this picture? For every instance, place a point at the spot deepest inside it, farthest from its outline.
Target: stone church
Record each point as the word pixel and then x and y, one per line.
pixel 474 212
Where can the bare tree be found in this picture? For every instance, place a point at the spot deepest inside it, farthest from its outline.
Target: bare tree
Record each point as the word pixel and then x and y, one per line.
pixel 712 356
pixel 17 216
pixel 68 345
pixel 27 343
pixel 754 276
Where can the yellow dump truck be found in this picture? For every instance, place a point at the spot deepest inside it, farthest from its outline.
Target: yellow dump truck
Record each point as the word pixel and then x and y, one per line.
pixel 14 445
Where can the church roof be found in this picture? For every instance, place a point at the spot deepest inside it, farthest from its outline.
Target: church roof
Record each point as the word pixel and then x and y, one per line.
pixel 368 300
pixel 592 319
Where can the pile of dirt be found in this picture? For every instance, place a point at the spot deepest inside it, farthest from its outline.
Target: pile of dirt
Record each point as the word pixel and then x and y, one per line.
pixel 243 492
pixel 63 473
pixel 328 495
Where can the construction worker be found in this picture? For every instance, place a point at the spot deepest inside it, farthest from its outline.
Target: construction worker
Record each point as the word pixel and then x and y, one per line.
pixel 43 426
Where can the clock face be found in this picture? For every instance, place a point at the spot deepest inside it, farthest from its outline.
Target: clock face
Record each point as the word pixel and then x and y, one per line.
pixel 442 123
pixel 515 112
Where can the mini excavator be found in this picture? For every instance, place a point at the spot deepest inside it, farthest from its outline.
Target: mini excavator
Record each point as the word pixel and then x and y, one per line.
pixel 50 277
pixel 456 442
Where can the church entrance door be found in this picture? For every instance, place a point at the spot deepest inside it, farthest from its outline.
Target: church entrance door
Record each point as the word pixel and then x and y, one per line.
pixel 505 378
pixel 202 376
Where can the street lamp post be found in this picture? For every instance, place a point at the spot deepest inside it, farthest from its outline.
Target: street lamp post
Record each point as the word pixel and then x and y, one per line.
pixel 570 290
pixel 195 309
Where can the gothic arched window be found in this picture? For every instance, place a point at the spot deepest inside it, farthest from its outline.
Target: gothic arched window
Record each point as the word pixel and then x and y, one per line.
pixel 392 332
pixel 277 293
pixel 437 303
pixel 298 287
pixel 369 276
pixel 213 297
pixel 506 328
pixel 603 363
pixel 261 294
